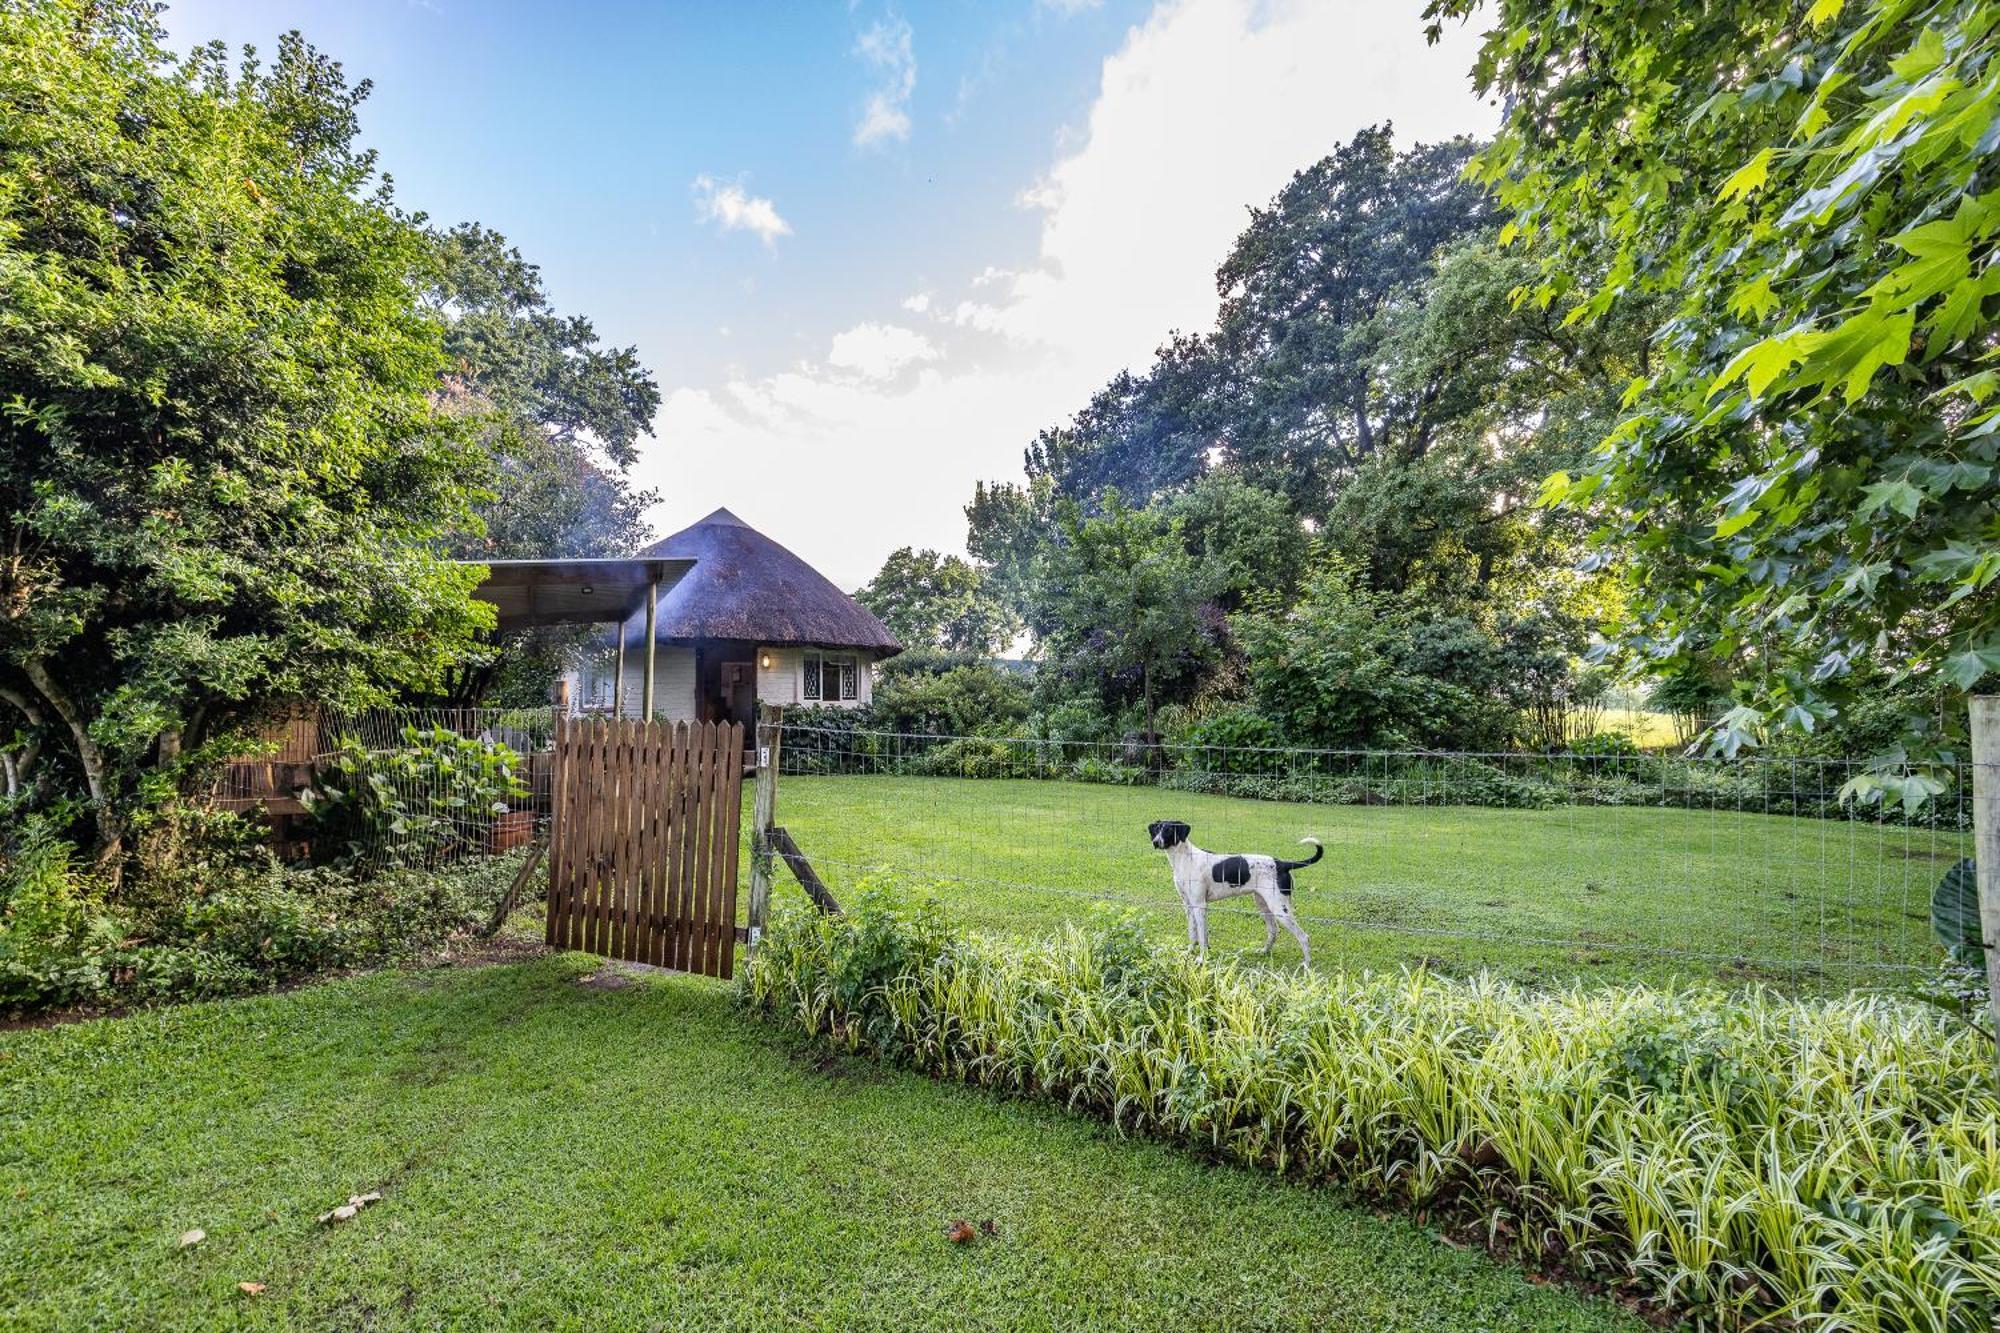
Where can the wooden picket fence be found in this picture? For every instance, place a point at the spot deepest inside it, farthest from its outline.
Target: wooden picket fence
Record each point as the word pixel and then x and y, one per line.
pixel 643 841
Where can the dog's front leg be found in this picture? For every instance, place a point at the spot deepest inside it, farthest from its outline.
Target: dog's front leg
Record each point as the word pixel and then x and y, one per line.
pixel 1198 927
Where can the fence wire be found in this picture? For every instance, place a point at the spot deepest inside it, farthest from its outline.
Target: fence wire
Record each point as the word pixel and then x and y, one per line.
pixel 1622 866
pixel 391 787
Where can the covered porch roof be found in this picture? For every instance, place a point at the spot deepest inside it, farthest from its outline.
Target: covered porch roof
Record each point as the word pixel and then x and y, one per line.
pixel 528 593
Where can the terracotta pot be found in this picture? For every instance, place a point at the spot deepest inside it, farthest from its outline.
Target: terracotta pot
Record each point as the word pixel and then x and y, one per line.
pixel 514 829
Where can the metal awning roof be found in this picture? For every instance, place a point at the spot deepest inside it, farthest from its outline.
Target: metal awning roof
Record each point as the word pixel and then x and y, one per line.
pixel 574 592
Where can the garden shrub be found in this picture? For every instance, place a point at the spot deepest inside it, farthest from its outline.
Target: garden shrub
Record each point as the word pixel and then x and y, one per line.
pixel 56 932
pixel 1744 1156
pixel 1233 742
pixel 1600 743
pixel 973 757
pixel 950 694
pixel 239 925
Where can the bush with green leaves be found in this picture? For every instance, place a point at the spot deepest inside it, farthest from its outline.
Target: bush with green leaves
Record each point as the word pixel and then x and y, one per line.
pixel 1232 742
pixel 240 925
pixel 947 694
pixel 1744 1157
pixel 426 802
pixel 1348 666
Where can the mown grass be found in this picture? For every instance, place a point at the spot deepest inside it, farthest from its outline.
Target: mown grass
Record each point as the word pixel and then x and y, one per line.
pixel 1615 894
pixel 554 1155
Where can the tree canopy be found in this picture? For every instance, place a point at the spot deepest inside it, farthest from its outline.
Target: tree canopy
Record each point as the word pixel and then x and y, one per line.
pixel 560 414
pixel 1293 387
pixel 225 478
pixel 1802 486
pixel 930 600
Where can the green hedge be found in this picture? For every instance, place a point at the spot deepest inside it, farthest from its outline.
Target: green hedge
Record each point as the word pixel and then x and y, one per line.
pixel 1744 1157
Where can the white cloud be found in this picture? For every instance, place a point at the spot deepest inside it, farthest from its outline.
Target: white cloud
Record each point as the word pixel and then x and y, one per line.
pixel 735 209
pixel 1207 108
pixel 889 48
pixel 878 351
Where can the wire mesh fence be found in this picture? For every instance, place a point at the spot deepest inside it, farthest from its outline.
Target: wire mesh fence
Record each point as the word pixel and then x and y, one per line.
pixel 399 787
pixel 1625 866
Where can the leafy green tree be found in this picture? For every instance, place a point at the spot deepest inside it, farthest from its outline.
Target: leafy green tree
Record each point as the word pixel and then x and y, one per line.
pixel 1515 396
pixel 1804 481
pixel 930 600
pixel 560 415
pixel 224 479
pixel 1292 387
pixel 1349 665
pixel 1243 539
pixel 1008 526
pixel 1311 291
pixel 1141 433
pixel 1122 593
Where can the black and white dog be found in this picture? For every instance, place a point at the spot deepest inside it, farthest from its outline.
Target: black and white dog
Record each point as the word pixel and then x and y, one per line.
pixel 1204 877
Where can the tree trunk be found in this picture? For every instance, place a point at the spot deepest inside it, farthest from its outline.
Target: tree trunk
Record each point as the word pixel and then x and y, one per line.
pixel 109 855
pixel 1146 685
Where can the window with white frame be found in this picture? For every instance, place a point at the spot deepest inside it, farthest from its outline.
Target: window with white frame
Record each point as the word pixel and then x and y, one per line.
pixel 830 677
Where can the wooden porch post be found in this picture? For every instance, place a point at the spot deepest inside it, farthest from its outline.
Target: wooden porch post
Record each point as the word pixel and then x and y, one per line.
pixel 652 620
pixel 618 675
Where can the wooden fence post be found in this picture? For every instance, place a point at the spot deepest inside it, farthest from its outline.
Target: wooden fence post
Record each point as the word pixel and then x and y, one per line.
pixel 1986 845
pixel 770 735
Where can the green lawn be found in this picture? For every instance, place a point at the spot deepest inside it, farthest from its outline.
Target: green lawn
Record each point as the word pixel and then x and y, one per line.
pixel 554 1155
pixel 1603 893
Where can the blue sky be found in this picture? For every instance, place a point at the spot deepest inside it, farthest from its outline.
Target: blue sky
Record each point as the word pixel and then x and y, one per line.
pixel 868 249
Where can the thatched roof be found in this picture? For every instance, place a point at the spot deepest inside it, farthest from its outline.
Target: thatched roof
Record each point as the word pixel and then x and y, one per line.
pixel 746 586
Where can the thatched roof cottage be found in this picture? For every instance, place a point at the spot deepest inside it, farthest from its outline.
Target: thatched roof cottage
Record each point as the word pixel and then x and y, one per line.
pixel 748 623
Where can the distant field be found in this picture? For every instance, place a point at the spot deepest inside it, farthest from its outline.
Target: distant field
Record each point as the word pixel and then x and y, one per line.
pixel 1651 730
pixel 1602 893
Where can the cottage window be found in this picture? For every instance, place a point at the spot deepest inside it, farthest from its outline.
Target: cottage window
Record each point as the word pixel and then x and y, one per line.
pixel 827 677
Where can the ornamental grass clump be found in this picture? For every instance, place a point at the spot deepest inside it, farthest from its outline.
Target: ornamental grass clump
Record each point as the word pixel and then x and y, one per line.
pixel 1743 1156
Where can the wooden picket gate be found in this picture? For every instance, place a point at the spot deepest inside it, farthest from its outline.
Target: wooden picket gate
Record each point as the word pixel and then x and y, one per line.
pixel 642 841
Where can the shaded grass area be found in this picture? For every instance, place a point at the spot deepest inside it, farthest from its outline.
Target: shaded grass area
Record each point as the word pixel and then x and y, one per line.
pixel 1611 893
pixel 553 1154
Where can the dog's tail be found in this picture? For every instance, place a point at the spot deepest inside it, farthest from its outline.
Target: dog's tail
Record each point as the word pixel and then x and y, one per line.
pixel 1318 852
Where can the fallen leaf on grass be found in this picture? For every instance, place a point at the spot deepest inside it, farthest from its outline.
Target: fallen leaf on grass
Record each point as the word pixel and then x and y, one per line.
pixel 251 1288
pixel 193 1236
pixel 960 1231
pixel 355 1203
